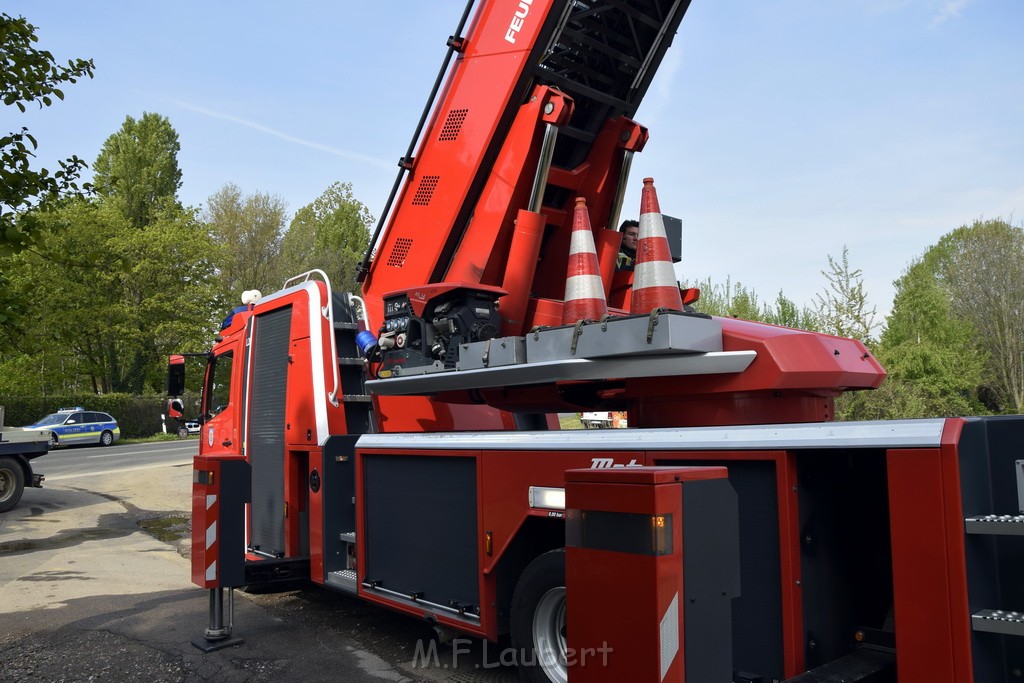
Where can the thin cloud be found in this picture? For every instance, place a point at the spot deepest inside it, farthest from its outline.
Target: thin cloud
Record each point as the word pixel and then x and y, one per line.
pixel 344 153
pixel 950 10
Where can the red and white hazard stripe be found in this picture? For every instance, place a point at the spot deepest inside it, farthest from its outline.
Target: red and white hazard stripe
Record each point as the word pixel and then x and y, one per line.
pixel 654 279
pixel 584 290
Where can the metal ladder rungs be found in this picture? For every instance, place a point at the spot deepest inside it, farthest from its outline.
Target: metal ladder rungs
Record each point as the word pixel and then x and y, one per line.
pixel 345 326
pixel 350 361
pixel 999 621
pixel 356 398
pixel 1002 525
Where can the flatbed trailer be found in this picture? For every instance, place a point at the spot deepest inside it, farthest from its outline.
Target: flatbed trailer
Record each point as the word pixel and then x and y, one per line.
pixel 18 447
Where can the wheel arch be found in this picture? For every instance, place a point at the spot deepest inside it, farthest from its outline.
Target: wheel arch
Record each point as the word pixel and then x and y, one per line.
pixel 536 536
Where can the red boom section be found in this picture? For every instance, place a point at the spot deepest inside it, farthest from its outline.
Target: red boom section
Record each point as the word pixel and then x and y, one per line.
pixel 485 83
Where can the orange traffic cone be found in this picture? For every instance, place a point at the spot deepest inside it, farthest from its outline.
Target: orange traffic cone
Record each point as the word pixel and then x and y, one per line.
pixel 654 280
pixel 584 291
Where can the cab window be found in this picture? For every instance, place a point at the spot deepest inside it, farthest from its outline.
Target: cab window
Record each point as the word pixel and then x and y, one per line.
pixel 218 384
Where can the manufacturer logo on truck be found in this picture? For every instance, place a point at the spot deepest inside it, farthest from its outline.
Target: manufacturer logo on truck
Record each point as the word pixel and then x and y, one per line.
pixel 518 20
pixel 605 463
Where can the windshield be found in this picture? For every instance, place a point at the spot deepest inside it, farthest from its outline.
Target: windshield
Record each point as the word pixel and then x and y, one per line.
pixel 53 419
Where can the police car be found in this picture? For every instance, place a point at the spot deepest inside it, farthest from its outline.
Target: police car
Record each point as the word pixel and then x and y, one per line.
pixel 77 425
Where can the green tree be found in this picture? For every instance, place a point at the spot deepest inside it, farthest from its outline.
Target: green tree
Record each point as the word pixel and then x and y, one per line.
pixel 137 167
pixel 981 270
pixel 785 312
pixel 30 76
pixel 120 300
pixel 249 231
pixel 842 308
pixel 331 234
pixel 728 300
pixel 934 362
pixel 734 300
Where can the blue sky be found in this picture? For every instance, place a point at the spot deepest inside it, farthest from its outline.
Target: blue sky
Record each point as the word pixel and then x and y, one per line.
pixel 780 130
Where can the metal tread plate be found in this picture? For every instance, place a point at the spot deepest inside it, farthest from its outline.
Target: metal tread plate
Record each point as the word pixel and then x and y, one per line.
pixel 1002 525
pixel 999 621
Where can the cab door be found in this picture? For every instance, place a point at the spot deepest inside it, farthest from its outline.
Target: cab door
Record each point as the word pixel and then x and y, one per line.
pixel 91 427
pixel 220 414
pixel 74 429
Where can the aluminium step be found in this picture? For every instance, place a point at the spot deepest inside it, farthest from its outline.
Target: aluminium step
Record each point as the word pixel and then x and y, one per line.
pixel 1005 622
pixel 344 579
pixel 1000 525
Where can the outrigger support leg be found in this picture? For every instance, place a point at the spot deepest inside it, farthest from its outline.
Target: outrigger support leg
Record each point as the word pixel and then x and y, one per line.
pixel 218 635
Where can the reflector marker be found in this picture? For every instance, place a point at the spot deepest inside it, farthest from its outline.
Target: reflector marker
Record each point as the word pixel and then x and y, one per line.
pixel 669 635
pixel 211 534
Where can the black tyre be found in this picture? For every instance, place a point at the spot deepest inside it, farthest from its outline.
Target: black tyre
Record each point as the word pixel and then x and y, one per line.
pixel 106 438
pixel 538 620
pixel 12 483
pixel 182 432
pixel 53 439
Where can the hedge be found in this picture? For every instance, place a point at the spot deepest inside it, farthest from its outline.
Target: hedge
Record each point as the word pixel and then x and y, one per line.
pixel 137 416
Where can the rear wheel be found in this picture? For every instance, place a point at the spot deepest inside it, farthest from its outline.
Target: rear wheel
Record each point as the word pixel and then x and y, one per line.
pixel 106 438
pixel 538 620
pixel 182 432
pixel 12 483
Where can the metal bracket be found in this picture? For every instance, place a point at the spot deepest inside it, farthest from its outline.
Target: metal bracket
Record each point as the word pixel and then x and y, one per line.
pixel 576 336
pixel 652 322
pixel 487 353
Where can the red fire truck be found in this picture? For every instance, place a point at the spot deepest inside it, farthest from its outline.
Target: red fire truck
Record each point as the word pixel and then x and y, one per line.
pixel 402 445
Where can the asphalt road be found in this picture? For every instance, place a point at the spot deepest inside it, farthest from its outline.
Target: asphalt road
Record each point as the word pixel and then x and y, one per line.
pixel 69 462
pixel 95 586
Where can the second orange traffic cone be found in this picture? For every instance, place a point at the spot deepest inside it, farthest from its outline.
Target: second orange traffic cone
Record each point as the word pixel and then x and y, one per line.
pixel 654 279
pixel 584 291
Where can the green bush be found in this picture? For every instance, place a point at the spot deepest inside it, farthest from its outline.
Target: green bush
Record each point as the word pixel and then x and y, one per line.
pixel 137 416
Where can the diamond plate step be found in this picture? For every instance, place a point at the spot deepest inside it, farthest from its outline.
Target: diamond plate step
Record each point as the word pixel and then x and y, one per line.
pixel 999 621
pixel 1003 525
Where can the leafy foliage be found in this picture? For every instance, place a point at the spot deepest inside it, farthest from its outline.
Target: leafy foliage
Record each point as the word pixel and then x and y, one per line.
pixel 137 168
pixel 734 300
pixel 249 231
pixel 980 268
pixel 330 234
pixel 112 321
pixel 842 309
pixel 29 75
pixel 934 361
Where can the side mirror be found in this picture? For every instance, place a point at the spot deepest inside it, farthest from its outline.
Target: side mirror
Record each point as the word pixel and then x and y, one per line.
pixel 176 376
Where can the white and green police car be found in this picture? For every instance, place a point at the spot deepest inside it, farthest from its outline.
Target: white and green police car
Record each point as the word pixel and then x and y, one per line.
pixel 70 426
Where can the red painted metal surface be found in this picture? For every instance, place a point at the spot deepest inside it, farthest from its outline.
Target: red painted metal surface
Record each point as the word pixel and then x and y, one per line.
pixel 316 519
pixel 929 574
pixel 953 517
pixel 624 636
